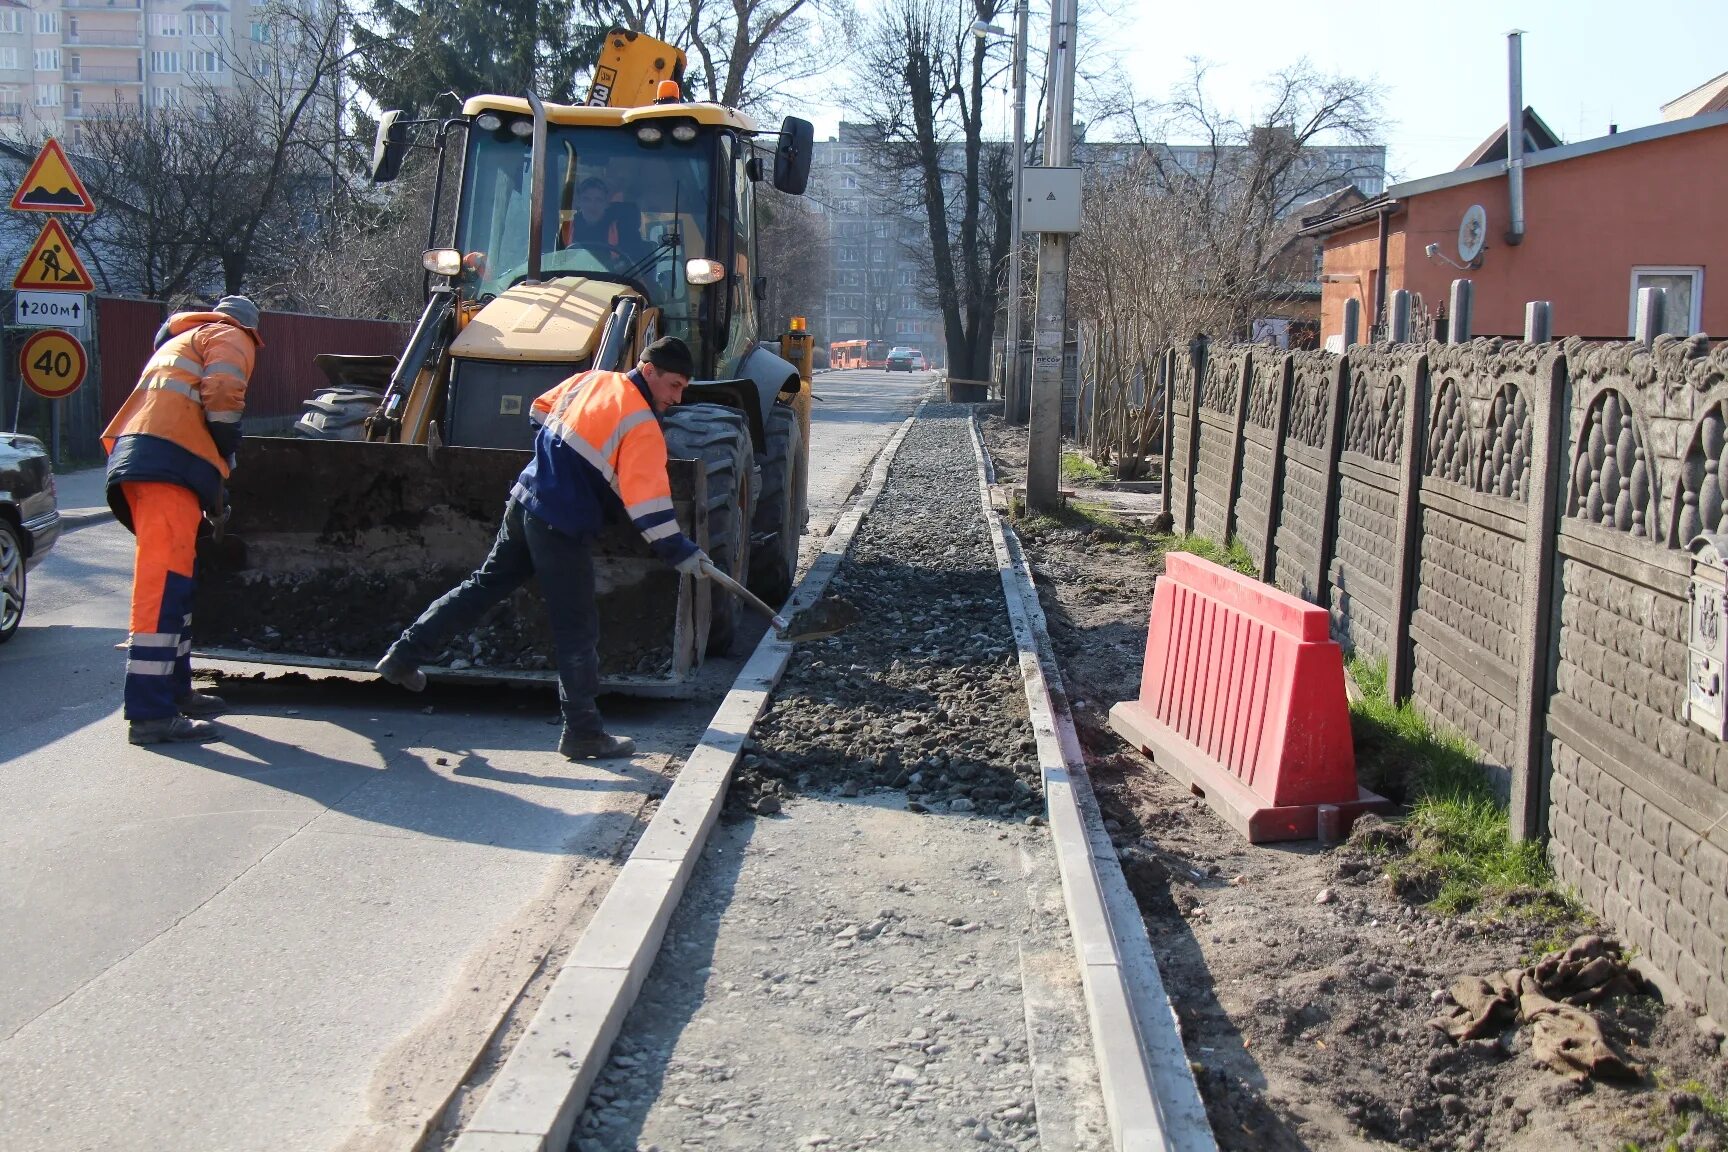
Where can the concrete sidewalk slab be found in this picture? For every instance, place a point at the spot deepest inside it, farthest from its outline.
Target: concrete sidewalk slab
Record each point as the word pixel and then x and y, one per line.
pixel 251 1003
pixel 82 496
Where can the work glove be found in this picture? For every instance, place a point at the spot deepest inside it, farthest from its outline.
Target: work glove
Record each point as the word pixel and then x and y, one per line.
pixel 691 565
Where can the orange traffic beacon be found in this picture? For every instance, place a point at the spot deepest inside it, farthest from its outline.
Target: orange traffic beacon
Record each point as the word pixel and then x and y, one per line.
pixel 1242 699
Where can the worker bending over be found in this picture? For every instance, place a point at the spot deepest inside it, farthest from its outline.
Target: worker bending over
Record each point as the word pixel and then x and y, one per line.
pixel 170 448
pixel 598 449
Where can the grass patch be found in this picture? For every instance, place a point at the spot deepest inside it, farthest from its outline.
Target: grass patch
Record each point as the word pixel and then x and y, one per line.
pixel 1234 555
pixel 1078 469
pixel 1711 1109
pixel 1461 856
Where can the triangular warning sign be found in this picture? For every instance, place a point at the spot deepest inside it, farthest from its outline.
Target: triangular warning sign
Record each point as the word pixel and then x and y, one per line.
pixel 52 264
pixel 51 185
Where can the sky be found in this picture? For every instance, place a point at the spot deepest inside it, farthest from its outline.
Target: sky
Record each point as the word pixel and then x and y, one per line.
pixel 1587 63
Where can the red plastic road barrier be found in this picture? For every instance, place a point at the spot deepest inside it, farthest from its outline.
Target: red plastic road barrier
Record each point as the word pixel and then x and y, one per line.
pixel 1242 699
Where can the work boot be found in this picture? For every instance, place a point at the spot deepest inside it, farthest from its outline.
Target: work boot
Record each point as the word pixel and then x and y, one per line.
pixel 402 670
pixel 602 747
pixel 172 730
pixel 201 705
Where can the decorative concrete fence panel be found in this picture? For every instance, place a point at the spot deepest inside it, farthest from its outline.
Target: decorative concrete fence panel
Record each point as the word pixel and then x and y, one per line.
pixel 1367 569
pixel 1301 544
pixel 1262 455
pixel 1221 390
pixel 1638 793
pixel 1473 523
pixel 1184 403
pixel 1511 526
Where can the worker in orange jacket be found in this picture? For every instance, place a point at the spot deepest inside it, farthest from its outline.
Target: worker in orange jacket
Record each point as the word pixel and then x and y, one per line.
pixel 170 448
pixel 598 451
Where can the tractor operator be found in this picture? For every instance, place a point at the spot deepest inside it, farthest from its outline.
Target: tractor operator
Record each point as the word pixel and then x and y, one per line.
pixel 598 450
pixel 170 448
pixel 608 228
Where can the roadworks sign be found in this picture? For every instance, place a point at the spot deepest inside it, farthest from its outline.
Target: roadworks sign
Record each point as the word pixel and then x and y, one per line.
pixel 52 264
pixel 51 185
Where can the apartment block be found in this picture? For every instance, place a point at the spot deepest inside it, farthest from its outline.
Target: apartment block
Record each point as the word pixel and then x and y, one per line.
pixel 64 63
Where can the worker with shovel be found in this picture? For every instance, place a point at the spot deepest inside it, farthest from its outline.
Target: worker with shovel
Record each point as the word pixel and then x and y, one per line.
pixel 598 449
pixel 170 448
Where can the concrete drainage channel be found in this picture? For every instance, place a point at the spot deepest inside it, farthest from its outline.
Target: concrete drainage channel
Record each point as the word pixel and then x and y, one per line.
pixel 873 950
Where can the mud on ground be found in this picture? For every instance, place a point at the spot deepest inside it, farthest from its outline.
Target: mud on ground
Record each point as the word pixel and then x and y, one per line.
pixel 1303 984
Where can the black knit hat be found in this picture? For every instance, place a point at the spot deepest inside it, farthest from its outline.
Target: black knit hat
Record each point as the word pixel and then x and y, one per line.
pixel 670 354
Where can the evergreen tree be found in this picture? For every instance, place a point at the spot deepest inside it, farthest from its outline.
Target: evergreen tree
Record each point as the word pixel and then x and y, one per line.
pixel 412 53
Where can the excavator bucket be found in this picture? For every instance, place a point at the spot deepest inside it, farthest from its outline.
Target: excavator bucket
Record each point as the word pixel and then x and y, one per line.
pixel 333 547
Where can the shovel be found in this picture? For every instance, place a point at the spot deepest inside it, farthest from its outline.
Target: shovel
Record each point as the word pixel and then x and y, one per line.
pixel 822 619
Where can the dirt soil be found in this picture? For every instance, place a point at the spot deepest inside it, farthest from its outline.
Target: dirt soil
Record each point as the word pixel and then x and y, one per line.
pixel 1302 982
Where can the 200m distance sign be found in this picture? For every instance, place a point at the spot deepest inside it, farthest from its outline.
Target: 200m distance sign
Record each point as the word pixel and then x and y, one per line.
pixel 52 363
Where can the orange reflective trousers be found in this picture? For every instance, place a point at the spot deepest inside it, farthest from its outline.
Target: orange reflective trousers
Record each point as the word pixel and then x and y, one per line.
pixel 159 663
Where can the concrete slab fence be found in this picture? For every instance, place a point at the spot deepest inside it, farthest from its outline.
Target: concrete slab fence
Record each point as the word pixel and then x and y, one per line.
pixel 1506 525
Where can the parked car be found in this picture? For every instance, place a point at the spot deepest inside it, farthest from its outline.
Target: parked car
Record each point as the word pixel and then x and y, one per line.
pixel 919 364
pixel 29 521
pixel 900 360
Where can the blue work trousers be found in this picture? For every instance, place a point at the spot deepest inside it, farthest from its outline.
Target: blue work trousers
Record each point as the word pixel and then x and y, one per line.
pixel 528 546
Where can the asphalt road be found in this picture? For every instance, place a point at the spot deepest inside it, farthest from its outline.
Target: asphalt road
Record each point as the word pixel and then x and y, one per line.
pixel 302 936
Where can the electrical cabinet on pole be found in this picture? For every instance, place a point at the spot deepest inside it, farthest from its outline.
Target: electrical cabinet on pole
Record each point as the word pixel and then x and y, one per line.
pixel 1050 203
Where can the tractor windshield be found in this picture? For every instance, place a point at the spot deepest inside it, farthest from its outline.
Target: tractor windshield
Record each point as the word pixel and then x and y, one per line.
pixel 614 208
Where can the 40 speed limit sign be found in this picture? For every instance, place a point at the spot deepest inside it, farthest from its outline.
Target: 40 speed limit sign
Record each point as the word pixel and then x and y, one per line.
pixel 52 363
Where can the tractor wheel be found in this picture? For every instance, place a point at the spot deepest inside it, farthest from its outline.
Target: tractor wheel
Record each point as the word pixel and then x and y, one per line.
pixel 778 525
pixel 337 414
pixel 720 439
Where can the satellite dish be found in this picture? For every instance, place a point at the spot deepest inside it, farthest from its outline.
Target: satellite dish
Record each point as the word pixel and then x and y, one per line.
pixel 1472 233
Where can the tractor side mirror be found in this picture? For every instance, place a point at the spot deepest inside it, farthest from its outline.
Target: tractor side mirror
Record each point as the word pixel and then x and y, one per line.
pixel 760 287
pixel 390 147
pixel 792 155
pixel 755 169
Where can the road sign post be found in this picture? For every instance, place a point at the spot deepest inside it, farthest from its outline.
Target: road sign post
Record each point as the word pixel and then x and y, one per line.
pixel 50 287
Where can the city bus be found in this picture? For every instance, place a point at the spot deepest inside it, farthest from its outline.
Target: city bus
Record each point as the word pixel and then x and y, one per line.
pixel 858 354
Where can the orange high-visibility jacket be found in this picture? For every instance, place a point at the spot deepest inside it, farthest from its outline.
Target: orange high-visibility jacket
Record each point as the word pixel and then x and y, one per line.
pixel 193 390
pixel 599 446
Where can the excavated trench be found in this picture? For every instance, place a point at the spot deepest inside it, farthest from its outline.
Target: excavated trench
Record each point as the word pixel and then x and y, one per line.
pixel 853 971
pixel 923 693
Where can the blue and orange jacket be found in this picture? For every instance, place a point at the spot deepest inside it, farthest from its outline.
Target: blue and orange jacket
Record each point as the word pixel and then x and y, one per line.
pixel 600 450
pixel 181 423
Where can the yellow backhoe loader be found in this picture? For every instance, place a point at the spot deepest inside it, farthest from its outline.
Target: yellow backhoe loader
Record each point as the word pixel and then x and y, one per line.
pixel 581 233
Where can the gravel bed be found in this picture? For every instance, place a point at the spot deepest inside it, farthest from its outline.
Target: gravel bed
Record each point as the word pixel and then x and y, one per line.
pixel 858 969
pixel 924 692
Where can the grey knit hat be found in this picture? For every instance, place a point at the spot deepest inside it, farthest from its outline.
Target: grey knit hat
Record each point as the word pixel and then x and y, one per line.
pixel 240 309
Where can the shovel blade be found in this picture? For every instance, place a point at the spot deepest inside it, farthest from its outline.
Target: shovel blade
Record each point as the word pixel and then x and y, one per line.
pixel 827 617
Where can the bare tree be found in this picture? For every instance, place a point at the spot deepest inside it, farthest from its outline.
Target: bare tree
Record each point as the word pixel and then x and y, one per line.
pixel 1240 180
pixel 229 187
pixel 743 53
pixel 792 244
pixel 1180 239
pixel 922 94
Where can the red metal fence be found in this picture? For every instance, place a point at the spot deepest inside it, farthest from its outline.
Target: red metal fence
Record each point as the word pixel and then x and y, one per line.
pixel 285 375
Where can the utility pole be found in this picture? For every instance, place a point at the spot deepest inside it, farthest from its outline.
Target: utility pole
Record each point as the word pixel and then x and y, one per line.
pixel 1050 325
pixel 1014 388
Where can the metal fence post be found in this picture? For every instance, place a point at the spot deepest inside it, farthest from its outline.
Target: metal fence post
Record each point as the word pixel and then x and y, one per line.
pixel 1459 306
